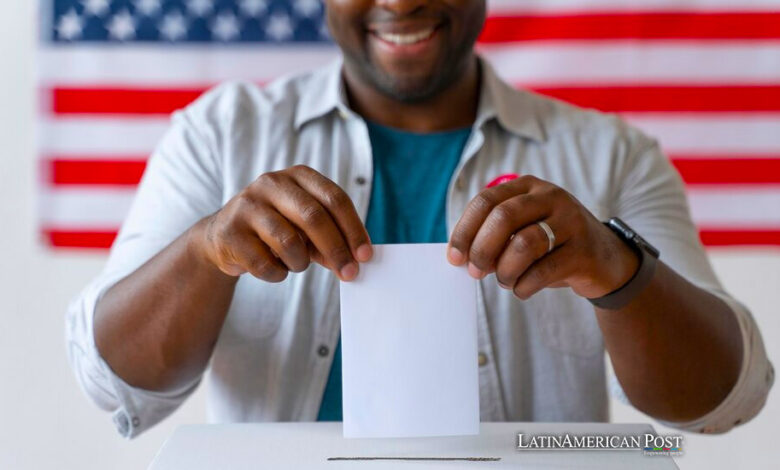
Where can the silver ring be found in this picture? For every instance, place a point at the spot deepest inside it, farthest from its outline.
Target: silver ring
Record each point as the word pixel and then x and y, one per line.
pixel 550 235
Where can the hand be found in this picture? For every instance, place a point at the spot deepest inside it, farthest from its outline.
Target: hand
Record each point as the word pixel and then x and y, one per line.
pixel 498 233
pixel 282 222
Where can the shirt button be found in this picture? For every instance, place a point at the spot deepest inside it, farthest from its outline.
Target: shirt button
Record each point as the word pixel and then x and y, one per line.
pixel 360 180
pixel 323 350
pixel 482 359
pixel 344 115
pixel 136 422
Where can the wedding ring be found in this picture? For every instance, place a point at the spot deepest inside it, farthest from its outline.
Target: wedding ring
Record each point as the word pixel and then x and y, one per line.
pixel 550 235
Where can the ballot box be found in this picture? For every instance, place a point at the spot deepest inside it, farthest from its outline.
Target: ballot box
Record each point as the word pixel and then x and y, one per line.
pixel 316 446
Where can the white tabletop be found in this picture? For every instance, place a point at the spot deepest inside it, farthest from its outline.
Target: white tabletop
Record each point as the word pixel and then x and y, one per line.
pixel 282 446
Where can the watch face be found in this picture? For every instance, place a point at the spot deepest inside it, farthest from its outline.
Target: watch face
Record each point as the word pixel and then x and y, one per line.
pixel 631 236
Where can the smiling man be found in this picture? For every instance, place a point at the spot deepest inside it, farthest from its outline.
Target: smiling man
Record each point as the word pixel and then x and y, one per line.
pixel 405 140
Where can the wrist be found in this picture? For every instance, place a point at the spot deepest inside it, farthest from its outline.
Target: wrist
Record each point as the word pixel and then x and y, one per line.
pixel 199 249
pixel 623 267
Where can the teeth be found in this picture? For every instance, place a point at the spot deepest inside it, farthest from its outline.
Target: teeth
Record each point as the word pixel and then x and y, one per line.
pixel 403 39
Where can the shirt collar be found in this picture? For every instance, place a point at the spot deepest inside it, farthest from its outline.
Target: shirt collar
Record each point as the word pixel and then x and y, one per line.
pixel 514 110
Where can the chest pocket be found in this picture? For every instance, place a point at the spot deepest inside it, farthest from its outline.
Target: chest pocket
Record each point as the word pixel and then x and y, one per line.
pixel 257 309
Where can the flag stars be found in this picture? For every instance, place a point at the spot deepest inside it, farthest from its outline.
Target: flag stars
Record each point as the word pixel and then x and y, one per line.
pixel 253 8
pixel 307 8
pixel 279 27
pixel 173 26
pixel 122 26
pixel 95 7
pixel 226 26
pixel 70 25
pixel 147 7
pixel 200 7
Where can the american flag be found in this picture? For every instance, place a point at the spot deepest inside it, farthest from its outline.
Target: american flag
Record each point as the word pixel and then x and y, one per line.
pixel 703 76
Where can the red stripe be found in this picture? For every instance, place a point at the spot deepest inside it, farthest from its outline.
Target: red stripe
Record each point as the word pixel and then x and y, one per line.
pixel 615 98
pixel 712 237
pixel 121 100
pixel 695 169
pixel 731 170
pixel 632 25
pixel 720 98
pixel 115 172
pixel 79 239
pixel 725 237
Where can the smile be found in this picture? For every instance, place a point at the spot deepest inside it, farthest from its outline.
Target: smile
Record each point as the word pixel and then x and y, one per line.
pixel 406 38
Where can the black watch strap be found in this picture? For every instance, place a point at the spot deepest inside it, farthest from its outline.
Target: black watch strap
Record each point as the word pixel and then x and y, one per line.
pixel 648 255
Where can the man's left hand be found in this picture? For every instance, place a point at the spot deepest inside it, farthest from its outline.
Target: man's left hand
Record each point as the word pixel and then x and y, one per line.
pixel 498 232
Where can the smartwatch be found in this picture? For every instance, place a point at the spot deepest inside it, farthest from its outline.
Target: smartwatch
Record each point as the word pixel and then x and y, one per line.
pixel 648 255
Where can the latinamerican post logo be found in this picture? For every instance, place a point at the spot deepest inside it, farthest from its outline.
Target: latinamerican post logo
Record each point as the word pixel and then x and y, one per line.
pixel 650 444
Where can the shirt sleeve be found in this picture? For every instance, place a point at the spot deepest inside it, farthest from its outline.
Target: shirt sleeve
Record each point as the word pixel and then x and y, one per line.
pixel 650 197
pixel 180 186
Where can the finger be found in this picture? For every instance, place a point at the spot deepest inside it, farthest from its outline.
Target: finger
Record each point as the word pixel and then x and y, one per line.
pixel 281 237
pixel 306 213
pixel 549 270
pixel 255 257
pixel 341 208
pixel 528 245
pixel 504 220
pixel 477 211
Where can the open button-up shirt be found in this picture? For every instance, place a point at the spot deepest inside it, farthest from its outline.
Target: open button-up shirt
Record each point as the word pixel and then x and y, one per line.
pixel 540 360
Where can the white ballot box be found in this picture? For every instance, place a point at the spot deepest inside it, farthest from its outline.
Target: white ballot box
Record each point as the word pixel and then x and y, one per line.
pixel 314 446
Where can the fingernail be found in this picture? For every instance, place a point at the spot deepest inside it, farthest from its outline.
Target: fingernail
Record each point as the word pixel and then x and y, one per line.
pixel 475 272
pixel 503 286
pixel 364 252
pixel 349 271
pixel 456 257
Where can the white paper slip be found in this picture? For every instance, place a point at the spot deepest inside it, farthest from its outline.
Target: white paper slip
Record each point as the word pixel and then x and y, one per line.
pixel 409 346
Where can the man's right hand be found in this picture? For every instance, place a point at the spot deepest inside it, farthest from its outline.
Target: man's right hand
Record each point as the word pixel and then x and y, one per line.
pixel 282 222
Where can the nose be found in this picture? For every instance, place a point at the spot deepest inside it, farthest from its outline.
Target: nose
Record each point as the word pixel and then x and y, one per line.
pixel 402 7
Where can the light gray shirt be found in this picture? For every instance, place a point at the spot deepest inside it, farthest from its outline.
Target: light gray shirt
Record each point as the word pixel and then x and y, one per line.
pixel 540 360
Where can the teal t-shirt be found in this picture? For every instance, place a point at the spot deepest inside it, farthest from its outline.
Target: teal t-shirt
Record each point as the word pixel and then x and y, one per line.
pixel 408 205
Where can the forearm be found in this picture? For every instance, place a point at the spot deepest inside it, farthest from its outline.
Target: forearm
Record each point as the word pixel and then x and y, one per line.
pixel 157 327
pixel 676 349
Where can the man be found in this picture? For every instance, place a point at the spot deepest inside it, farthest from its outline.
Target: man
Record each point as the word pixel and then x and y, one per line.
pixel 397 144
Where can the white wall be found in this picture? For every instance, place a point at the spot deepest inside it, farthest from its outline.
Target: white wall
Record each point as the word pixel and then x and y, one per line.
pixel 45 421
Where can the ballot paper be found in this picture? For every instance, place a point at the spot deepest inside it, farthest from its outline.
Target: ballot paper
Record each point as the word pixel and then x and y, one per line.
pixel 409 346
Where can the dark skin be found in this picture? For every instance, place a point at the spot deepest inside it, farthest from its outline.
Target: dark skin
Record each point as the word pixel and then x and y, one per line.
pixel 675 348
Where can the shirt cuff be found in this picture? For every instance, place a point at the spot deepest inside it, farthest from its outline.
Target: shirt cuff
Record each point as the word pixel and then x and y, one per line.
pixel 749 394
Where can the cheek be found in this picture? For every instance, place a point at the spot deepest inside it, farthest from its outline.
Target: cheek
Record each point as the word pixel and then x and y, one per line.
pixel 345 20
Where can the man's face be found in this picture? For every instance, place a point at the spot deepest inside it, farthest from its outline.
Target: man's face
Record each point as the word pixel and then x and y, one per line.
pixel 409 50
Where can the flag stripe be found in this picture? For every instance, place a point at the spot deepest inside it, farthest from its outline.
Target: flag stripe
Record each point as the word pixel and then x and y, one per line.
pixel 90 239
pixel 711 237
pixel 648 25
pixel 635 99
pixel 681 99
pixel 712 135
pixel 737 170
pixel 116 171
pixel 496 7
pixel 560 62
pixel 728 237
pixel 694 169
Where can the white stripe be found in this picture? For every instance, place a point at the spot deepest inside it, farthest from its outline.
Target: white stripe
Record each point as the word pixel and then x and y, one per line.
pixel 84 208
pixel 182 65
pixel 565 6
pixel 713 134
pixel 709 135
pixel 91 137
pixel 716 206
pixel 626 62
pixel 735 207
pixel 535 63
